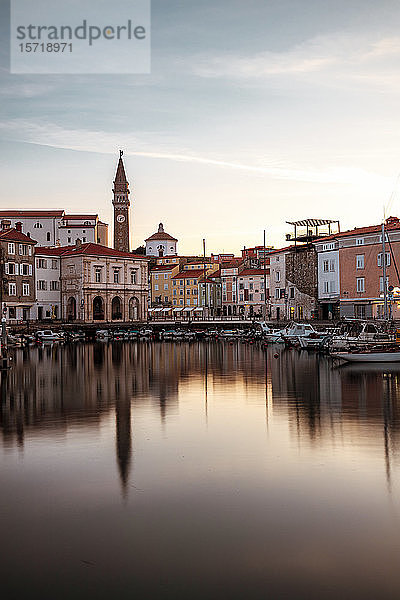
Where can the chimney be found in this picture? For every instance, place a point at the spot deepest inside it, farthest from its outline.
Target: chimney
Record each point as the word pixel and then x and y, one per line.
pixel 18 226
pixel 5 224
pixel 78 243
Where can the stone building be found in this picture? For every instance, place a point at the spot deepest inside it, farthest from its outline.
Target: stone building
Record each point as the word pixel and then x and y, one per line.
pixel 56 228
pixel 17 266
pixel 100 284
pixel 301 272
pixel 161 243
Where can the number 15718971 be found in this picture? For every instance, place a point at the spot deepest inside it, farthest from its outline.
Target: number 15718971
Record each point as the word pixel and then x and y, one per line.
pixel 45 47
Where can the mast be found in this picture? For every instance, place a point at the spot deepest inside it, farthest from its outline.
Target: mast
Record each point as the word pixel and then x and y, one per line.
pixel 385 299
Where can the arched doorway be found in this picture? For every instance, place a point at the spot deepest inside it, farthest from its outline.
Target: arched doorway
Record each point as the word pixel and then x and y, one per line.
pixel 229 310
pixel 98 309
pixel 71 309
pixel 116 309
pixel 224 311
pixel 133 309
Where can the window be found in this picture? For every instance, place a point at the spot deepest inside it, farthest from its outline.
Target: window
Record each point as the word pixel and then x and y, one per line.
pixel 331 266
pixel 326 266
pixel 156 276
pixel 165 286
pixel 69 240
pixel 166 298
pixel 381 283
pixel 41 284
pixel 25 289
pixel 277 276
pixel 277 293
pixel 251 297
pixel 48 236
pixel 251 286
pixel 11 269
pixel 360 242
pixel 188 292
pixel 97 275
pixel 84 239
pixel 329 287
pixel 330 246
pixel 133 275
pixel 116 275
pixel 23 251
pixel 54 286
pixel 174 292
pixel 11 248
pixel 54 264
pixel 41 263
pixel 360 261
pixel 156 287
pixel 12 289
pixel 24 269
pixel 166 275
pixel 360 284
pixel 30 250
pixel 291 292
pixel 380 261
pixel 38 225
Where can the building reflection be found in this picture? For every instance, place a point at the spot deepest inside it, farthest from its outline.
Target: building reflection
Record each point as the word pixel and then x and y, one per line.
pixel 54 388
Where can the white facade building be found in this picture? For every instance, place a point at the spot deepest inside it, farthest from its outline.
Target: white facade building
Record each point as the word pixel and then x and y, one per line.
pixel 48 285
pixel 277 285
pixel 161 243
pixel 56 228
pixel 328 277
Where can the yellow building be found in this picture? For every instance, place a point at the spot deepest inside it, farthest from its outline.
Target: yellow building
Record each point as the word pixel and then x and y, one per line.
pixel 185 287
pixel 161 284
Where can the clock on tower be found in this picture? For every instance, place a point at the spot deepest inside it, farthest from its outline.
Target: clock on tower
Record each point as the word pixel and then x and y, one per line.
pixel 121 208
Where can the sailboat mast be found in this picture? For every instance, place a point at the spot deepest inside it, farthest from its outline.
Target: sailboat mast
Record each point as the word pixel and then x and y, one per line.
pixel 385 299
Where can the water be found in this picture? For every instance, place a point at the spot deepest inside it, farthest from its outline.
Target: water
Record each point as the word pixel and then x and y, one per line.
pixel 202 470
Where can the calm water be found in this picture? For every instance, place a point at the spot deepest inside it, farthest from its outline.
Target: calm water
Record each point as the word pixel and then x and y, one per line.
pixel 197 471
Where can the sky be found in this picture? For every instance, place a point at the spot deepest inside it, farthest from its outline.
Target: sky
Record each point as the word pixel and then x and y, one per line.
pixel 255 113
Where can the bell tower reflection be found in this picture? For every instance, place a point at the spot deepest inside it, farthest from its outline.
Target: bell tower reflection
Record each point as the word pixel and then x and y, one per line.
pixel 123 436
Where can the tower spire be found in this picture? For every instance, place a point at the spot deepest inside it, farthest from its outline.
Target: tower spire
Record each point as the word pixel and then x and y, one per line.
pixel 121 207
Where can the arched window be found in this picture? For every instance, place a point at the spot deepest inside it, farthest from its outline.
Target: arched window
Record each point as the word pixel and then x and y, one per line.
pixel 71 309
pixel 116 309
pixel 98 309
pixel 133 309
pixel 48 236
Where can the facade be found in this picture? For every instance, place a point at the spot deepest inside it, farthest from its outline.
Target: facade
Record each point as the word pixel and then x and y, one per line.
pixel 328 266
pixel 161 285
pixel 361 269
pixel 99 284
pixel 278 309
pixel 229 285
pixel 161 243
pixel 251 291
pixel 48 286
pixel 56 228
pixel 121 205
pixel 186 288
pixel 18 273
pixel 301 272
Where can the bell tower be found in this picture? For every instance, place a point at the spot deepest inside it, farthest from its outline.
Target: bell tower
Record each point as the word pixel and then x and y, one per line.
pixel 121 208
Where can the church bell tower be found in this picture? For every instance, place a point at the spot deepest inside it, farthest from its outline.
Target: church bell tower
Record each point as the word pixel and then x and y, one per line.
pixel 121 208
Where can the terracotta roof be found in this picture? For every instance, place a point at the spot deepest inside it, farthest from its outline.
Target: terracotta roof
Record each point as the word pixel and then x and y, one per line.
pixel 215 274
pixel 285 249
pixel 249 272
pixel 51 250
pixel 161 236
pixel 360 231
pixel 164 268
pixel 13 235
pixel 91 249
pixel 79 217
pixel 30 213
pixel 76 226
pixel 192 274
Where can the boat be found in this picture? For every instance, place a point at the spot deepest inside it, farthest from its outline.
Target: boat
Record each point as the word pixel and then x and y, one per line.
pixel 103 334
pixel 353 333
pixel 315 341
pixel 271 336
pixel 47 335
pixel 294 331
pixel 370 355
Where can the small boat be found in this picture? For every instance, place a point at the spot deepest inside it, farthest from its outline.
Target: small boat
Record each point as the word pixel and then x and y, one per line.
pixel 120 334
pixel 315 341
pixel 103 334
pixel 294 331
pixel 389 354
pixel 47 335
pixel 355 333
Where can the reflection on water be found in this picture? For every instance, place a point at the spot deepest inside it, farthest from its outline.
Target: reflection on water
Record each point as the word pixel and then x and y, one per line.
pixel 198 469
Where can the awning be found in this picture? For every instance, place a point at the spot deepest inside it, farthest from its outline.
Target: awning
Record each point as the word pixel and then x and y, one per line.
pixel 157 309
pixel 151 310
pixel 199 308
pixel 187 309
pixel 167 309
pixel 178 309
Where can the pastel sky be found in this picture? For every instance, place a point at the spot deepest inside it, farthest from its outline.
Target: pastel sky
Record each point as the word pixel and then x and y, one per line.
pixel 255 113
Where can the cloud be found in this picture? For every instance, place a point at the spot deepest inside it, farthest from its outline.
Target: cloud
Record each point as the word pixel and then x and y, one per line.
pixel 158 146
pixel 326 58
